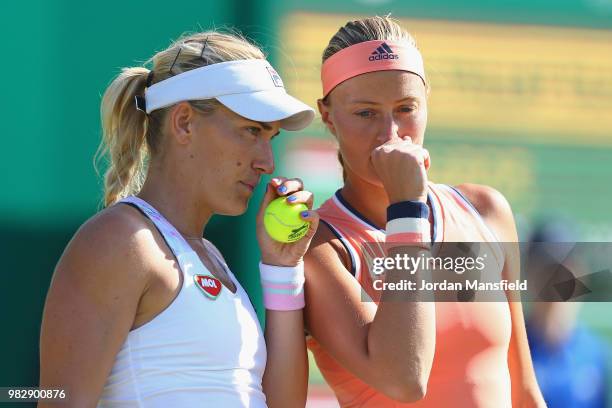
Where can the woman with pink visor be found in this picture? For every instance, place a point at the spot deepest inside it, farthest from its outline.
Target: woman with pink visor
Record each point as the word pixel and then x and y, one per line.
pixel 409 352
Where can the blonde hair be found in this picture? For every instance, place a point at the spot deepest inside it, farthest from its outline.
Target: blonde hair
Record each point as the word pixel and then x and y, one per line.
pixel 358 31
pixel 130 136
pixel 367 29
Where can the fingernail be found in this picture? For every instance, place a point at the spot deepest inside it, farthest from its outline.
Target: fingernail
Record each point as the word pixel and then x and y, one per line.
pixel 282 189
pixel 304 214
pixel 291 198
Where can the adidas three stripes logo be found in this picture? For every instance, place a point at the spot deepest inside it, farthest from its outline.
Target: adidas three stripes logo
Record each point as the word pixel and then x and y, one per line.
pixel 383 52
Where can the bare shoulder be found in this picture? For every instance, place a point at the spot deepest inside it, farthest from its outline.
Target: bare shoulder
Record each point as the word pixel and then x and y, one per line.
pixel 93 300
pixel 325 245
pixel 492 206
pixel 112 246
pixel 487 200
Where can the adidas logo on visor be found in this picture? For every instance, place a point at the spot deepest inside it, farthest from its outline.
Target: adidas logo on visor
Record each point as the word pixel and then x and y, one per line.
pixel 383 52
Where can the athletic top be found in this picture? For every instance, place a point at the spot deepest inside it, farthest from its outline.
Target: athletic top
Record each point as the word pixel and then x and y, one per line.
pixel 470 367
pixel 199 351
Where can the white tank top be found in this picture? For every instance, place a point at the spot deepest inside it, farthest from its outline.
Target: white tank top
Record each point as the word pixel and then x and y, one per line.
pixel 200 351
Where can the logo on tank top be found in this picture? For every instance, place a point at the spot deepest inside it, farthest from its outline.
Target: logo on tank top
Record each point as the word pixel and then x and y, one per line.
pixel 383 52
pixel 210 285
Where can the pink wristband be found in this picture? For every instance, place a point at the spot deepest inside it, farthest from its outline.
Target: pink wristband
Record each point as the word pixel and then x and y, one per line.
pixel 283 286
pixel 408 231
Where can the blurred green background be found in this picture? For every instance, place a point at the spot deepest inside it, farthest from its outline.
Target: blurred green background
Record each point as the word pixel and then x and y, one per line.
pixel 521 100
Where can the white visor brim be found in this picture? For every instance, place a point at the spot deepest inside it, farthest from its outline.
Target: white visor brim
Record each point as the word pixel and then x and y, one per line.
pixel 250 88
pixel 270 106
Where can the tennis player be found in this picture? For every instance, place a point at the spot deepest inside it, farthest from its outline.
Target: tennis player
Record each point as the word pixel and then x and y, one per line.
pixel 385 354
pixel 144 312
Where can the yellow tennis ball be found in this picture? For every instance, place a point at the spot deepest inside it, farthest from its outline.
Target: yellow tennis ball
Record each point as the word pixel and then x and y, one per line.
pixel 283 222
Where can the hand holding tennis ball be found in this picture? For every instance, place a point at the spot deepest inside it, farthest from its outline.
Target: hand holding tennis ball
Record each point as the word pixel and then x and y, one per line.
pixel 283 222
pixel 286 222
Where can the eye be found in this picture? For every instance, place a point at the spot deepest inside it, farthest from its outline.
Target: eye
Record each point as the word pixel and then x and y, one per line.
pixel 408 108
pixel 253 130
pixel 365 114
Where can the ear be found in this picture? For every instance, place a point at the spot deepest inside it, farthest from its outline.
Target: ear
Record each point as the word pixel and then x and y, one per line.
pixel 325 115
pixel 181 122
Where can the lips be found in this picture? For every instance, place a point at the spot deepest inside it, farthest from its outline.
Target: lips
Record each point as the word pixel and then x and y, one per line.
pixel 251 184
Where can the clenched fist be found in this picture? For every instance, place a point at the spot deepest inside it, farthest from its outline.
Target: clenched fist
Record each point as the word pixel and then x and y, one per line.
pixel 402 168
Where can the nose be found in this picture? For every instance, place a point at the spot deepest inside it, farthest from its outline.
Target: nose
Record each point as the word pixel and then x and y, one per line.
pixel 389 128
pixel 264 158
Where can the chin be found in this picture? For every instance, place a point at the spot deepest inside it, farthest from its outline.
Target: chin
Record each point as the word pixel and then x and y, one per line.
pixel 236 207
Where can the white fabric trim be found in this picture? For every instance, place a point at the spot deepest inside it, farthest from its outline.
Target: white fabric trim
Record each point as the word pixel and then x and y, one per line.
pixel 438 217
pixel 493 238
pixel 353 216
pixel 399 225
pixel 353 253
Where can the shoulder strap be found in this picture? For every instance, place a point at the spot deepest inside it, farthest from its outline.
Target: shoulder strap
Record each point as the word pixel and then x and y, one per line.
pixel 175 241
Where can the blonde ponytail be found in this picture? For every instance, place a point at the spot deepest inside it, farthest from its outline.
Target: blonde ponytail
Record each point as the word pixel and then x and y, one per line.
pixel 124 131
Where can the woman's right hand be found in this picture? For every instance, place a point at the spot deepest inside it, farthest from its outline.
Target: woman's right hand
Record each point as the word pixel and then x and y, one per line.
pixel 278 253
pixel 402 167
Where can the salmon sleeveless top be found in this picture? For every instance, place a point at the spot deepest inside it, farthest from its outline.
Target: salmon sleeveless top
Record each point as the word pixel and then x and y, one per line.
pixel 470 366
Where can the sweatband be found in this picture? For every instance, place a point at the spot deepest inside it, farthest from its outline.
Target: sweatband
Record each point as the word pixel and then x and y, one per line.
pixel 411 209
pixel 408 224
pixel 283 286
pixel 370 56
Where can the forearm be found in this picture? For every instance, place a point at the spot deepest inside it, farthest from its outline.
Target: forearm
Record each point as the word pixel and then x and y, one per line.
pixel 402 336
pixel 401 339
pixel 286 377
pixel 285 381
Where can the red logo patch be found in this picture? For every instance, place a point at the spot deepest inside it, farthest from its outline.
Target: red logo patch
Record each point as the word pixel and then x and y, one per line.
pixel 210 285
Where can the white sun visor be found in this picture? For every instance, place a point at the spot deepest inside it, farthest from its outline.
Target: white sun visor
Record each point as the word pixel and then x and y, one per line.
pixel 251 88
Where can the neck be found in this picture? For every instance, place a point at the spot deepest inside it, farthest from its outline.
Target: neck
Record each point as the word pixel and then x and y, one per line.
pixel 168 193
pixel 368 199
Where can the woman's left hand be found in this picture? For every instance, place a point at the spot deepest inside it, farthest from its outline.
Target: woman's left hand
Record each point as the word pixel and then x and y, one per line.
pixel 278 253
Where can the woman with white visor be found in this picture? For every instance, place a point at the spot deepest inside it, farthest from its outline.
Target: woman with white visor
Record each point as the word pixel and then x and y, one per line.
pixel 144 312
